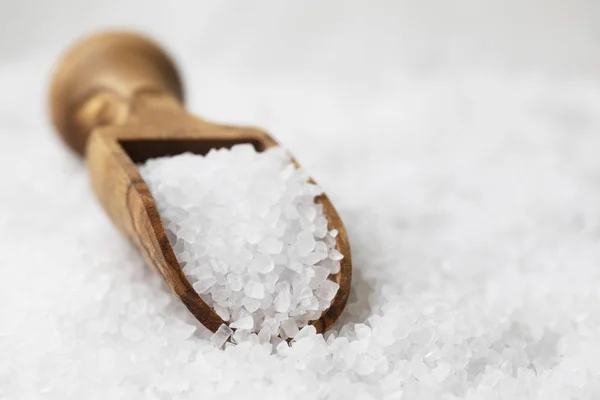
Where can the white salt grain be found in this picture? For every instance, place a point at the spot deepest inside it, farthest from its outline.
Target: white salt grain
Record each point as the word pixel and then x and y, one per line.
pixel 305 332
pixel 250 304
pixel 335 255
pixel 305 243
pixel 203 285
pixel 222 334
pixel 262 263
pixel 270 246
pixel 327 290
pixel 246 322
pixel 131 332
pixel 255 290
pixel 362 331
pixel 290 328
pixel 296 266
pixel 234 282
pixel 441 371
pixel 282 301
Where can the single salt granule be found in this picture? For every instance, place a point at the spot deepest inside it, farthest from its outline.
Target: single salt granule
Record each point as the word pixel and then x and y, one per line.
pixel 362 331
pixel 250 304
pixel 289 327
pixel 296 266
pixel 305 332
pixel 305 243
pixel 246 322
pixel 219 338
pixel 270 246
pixel 335 255
pixel 282 301
pixel 262 263
pixel 441 371
pixel 320 275
pixel 255 290
pixel 132 332
pixel 327 290
pixel 202 286
pixel 234 282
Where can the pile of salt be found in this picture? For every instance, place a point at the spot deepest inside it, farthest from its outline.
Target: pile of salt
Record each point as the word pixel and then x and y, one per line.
pixel 249 236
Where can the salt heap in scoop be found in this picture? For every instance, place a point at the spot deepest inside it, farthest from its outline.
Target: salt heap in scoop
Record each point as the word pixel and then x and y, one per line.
pixel 249 236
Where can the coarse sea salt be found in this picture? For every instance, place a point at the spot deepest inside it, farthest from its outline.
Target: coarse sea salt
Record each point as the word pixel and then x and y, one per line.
pixel 475 257
pixel 250 237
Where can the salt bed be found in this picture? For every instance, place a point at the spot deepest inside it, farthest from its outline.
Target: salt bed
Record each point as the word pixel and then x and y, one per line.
pixel 473 218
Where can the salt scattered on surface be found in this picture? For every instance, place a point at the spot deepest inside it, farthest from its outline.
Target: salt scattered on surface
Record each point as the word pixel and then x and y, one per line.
pixel 477 271
pixel 249 235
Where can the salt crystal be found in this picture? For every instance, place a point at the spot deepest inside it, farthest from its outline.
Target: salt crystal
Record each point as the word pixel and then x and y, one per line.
pixel 282 301
pixel 320 230
pixel 302 291
pixel 250 304
pixel 271 281
pixel 335 255
pixel 222 312
pixel 335 267
pixel 348 356
pixel 289 327
pixel 131 332
pixel 270 246
pixel 310 303
pixel 262 263
pixel 204 285
pixel 240 335
pixel 305 332
pixel 283 348
pixel 361 346
pixel 219 338
pixel 313 258
pixel 441 371
pixel 296 266
pixel 324 304
pixel 307 274
pixel 264 335
pixel 327 290
pixel 255 290
pixel 365 365
pixel 362 331
pixel 418 368
pixel 234 282
pixel 266 303
pixel 246 322
pixel 320 275
pixel 305 243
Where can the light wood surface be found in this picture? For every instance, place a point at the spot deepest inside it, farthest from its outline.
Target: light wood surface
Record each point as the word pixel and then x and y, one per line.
pixel 117 99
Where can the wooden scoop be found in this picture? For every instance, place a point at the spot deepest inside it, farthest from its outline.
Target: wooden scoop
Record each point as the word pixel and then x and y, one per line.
pixel 116 98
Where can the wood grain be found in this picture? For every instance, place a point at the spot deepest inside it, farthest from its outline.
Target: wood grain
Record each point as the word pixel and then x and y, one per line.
pixel 116 98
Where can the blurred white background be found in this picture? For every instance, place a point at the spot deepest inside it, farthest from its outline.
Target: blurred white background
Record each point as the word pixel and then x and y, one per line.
pixel 357 50
pixel 358 43
pixel 325 36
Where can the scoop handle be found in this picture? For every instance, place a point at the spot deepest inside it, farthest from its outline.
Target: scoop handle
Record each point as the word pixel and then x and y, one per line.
pixel 98 79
